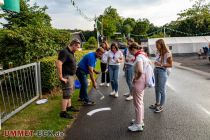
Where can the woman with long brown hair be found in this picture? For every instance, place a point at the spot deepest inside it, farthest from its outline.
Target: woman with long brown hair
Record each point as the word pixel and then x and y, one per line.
pixel 105 73
pixel 115 58
pixel 163 64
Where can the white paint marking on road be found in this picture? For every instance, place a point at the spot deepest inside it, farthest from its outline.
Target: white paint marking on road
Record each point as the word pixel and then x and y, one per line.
pixel 98 110
pixel 170 86
pixel 204 109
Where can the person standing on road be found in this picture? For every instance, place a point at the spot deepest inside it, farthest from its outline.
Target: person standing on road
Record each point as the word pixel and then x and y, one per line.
pixel 128 68
pixel 105 73
pixel 87 66
pixel 138 86
pixel 115 57
pixel 163 64
pixel 66 67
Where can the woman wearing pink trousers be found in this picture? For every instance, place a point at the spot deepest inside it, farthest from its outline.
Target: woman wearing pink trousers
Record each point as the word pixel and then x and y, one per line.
pixel 138 88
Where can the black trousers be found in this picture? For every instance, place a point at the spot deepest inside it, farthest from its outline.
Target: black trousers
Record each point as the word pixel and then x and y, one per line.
pixel 104 76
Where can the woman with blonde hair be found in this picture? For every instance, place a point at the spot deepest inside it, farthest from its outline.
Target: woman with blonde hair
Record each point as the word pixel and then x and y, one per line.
pixel 163 64
pixel 105 74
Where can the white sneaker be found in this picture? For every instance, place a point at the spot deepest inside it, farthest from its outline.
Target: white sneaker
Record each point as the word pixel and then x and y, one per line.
pixel 112 93
pixel 135 127
pixel 126 94
pixel 107 84
pixel 101 84
pixel 133 121
pixel 116 95
pixel 129 98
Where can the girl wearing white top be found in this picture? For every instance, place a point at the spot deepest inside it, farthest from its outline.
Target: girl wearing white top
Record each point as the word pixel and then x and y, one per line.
pixel 105 73
pixel 115 57
pixel 163 64
pixel 138 86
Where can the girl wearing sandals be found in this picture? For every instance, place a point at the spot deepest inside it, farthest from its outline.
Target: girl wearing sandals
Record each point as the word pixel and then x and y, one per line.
pixel 138 86
pixel 163 64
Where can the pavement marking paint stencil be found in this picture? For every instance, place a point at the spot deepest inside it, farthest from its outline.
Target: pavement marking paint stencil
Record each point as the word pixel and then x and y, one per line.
pixel 98 110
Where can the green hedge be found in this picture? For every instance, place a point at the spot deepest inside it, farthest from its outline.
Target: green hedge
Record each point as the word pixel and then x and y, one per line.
pixel 49 75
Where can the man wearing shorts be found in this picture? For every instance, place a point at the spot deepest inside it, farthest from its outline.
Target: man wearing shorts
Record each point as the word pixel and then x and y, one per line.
pixel 66 66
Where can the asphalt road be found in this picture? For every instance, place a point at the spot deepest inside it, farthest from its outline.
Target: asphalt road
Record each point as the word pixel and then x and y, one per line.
pixel 186 115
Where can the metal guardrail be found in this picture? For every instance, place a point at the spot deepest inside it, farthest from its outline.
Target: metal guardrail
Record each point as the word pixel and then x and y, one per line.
pixel 19 87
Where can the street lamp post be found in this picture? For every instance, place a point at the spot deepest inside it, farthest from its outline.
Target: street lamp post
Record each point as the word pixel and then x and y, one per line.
pixel 97 34
pixel 97 31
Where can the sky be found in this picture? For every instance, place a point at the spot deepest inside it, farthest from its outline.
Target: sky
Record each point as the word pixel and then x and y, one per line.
pixel 65 16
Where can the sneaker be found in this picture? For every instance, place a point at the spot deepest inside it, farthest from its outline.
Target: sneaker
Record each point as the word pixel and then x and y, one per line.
pixel 129 98
pixel 112 93
pixel 126 94
pixel 80 100
pixel 135 128
pixel 158 109
pixel 133 121
pixel 64 114
pixel 153 106
pixel 102 84
pixel 116 95
pixel 107 84
pixel 73 109
pixel 90 103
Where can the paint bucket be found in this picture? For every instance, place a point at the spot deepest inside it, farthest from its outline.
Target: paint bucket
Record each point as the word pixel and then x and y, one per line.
pixel 77 84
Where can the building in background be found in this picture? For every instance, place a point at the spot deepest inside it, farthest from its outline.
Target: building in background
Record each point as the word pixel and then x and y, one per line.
pixel 181 45
pixel 80 36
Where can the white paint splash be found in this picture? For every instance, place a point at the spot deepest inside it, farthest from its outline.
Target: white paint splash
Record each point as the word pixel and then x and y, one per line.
pixel 170 86
pixel 204 109
pixel 98 110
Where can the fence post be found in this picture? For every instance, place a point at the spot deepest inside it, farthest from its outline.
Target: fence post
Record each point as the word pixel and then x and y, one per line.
pixel 39 79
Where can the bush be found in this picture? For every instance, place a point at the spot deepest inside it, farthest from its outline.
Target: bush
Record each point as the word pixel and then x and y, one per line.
pixel 86 46
pixel 90 44
pixel 49 75
pixel 28 44
pixel 92 41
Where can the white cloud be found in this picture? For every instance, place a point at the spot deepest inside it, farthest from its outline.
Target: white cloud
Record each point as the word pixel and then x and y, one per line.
pixel 159 12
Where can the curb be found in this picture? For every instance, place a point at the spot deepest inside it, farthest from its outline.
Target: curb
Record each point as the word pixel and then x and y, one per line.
pixel 178 65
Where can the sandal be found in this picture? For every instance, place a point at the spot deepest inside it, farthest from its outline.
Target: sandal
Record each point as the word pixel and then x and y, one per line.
pixel 153 106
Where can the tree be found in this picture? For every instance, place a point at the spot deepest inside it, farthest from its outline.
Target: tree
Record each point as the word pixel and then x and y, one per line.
pixel 141 28
pixel 128 26
pixel 111 21
pixel 28 16
pixel 193 21
pixel 28 36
